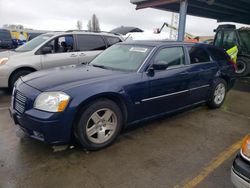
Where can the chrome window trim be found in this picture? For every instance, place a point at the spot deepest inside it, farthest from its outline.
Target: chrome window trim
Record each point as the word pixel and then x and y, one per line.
pixel 175 93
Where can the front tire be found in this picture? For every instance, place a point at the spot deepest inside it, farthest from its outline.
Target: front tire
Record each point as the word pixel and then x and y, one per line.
pixel 99 124
pixel 218 94
pixel 16 76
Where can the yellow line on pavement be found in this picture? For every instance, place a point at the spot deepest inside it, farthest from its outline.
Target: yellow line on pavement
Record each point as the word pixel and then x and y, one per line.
pixel 215 163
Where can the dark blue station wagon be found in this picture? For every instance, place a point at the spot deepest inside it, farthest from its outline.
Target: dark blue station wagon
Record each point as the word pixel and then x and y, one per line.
pixel 127 83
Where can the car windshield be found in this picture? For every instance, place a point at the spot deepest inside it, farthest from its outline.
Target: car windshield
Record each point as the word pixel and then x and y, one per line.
pixel 122 57
pixel 245 38
pixel 32 44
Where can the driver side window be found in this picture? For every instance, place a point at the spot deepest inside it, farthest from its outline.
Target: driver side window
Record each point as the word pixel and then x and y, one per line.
pixel 172 57
pixel 61 44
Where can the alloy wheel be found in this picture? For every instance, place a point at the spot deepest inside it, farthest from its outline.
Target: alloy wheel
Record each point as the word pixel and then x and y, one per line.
pixel 101 125
pixel 219 93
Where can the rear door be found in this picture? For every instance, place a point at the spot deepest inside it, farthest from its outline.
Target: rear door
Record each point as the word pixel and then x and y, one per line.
pixel 223 59
pixel 89 46
pixel 202 71
pixel 63 52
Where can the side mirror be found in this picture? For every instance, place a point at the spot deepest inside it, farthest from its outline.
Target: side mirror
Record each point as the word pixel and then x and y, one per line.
pixel 160 65
pixel 46 50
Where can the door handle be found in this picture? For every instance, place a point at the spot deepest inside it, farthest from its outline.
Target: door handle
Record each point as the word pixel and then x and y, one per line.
pixel 82 54
pixel 184 73
pixel 73 55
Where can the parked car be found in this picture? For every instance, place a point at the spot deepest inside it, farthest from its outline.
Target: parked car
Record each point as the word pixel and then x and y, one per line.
pixel 127 83
pixel 5 39
pixel 52 50
pixel 240 173
pixel 18 38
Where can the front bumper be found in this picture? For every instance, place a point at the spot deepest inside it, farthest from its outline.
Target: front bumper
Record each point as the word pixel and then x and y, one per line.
pixel 238 181
pixel 48 131
pixel 240 173
pixel 50 128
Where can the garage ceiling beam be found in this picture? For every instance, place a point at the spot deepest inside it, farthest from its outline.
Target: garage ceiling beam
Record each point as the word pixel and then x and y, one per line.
pixel 154 3
pixel 217 4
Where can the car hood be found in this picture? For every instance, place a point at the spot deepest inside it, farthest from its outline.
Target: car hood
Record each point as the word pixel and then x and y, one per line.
pixel 63 78
pixel 11 53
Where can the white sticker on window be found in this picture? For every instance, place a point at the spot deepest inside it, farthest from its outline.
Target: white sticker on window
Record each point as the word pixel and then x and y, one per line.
pixel 138 49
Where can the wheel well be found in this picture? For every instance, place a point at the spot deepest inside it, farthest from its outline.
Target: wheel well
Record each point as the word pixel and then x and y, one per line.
pixel 20 69
pixel 118 100
pixel 227 79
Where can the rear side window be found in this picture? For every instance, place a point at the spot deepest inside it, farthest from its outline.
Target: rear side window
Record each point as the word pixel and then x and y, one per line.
pixel 198 55
pixel 112 40
pixel 90 42
pixel 218 55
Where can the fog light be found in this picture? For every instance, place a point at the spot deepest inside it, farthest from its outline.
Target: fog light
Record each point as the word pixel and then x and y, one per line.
pixel 37 134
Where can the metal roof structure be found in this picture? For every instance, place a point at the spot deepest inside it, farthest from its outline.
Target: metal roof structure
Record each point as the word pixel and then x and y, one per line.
pixel 222 10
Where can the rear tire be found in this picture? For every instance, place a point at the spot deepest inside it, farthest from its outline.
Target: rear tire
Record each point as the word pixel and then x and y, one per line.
pixel 243 66
pixel 16 76
pixel 98 125
pixel 218 94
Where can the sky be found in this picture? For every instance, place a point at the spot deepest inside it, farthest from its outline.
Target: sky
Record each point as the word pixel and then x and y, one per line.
pixel 63 15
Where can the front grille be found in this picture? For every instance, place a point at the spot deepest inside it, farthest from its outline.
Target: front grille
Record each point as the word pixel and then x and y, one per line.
pixel 20 102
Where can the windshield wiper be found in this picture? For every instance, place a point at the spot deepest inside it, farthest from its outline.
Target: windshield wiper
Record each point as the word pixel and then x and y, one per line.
pixel 99 66
pixel 102 67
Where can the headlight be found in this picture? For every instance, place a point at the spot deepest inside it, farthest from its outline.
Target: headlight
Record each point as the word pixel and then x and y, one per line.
pixel 52 101
pixel 245 149
pixel 3 61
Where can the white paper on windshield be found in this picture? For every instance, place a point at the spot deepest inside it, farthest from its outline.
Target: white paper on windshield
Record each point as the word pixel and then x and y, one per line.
pixel 138 49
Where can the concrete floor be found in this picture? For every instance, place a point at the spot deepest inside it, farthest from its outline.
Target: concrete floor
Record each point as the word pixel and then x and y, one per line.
pixel 162 153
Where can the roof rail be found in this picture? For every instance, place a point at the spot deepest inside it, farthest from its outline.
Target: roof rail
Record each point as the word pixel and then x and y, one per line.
pixel 75 30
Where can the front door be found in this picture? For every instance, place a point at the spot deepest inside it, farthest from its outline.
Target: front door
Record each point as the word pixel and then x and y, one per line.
pixel 63 52
pixel 168 88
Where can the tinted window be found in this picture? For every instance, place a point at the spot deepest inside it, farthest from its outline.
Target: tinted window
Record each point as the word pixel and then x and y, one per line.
pixel 218 55
pixel 112 40
pixel 172 56
pixel 218 39
pixel 245 38
pixel 90 42
pixel 33 35
pixel 229 39
pixel 198 55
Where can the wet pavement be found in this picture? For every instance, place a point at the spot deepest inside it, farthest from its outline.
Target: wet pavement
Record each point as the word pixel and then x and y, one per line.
pixel 162 153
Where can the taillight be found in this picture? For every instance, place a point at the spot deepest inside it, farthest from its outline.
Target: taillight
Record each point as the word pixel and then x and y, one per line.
pixel 233 64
